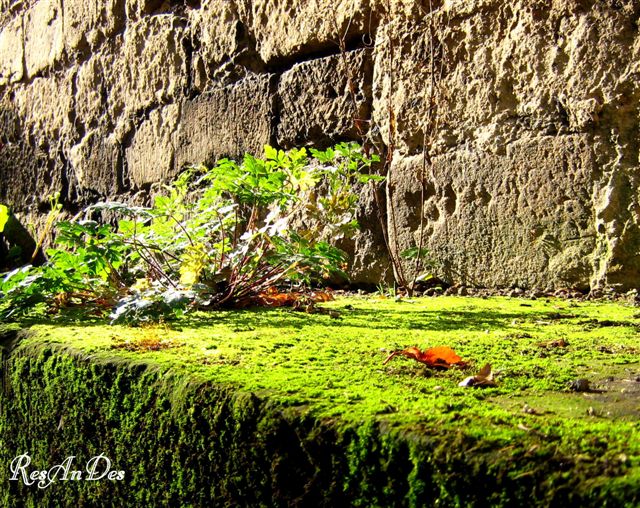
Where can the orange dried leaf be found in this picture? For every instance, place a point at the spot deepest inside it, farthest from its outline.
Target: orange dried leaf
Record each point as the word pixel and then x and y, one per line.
pixel 440 356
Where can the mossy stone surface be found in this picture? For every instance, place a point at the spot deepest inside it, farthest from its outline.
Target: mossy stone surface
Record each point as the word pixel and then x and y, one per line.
pixel 283 408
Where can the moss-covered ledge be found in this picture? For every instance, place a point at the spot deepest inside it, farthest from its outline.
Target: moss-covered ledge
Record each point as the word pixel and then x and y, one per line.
pixel 281 408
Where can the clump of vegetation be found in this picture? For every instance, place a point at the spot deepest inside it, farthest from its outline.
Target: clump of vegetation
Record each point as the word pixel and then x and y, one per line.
pixel 218 237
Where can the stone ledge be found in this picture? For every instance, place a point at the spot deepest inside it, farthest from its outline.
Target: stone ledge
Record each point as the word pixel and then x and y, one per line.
pixel 272 408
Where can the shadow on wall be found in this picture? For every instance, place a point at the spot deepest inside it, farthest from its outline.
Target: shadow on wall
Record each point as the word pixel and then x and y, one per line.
pixel 30 172
pixel 30 177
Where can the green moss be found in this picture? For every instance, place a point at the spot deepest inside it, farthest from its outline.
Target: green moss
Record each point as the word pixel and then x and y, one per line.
pixel 264 407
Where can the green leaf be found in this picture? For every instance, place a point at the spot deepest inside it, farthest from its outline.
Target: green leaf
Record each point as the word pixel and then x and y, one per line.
pixel 4 217
pixel 270 153
pixel 414 253
pixel 371 178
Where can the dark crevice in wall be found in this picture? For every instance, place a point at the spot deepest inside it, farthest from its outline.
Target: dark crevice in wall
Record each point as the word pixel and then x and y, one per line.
pixel 68 191
pixel 73 116
pixel 276 109
pixel 247 55
pixel 189 45
pixel 324 50
pixel 121 176
pixel 178 7
pixel 123 181
pixel 141 115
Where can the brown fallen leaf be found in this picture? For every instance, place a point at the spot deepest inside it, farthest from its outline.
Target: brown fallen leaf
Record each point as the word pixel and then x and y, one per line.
pixel 437 357
pixel 321 296
pixel 272 297
pixel 553 343
pixel 483 378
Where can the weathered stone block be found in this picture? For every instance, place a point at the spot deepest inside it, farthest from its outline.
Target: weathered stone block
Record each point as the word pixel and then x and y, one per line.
pixel 152 68
pixel 150 158
pixel 11 52
pixel 324 99
pixel 286 29
pixel 501 71
pixel 43 36
pixel 216 28
pixel 45 108
pixel 523 218
pixel 370 264
pixel 86 22
pixel 96 162
pixel 227 121
pixel 91 93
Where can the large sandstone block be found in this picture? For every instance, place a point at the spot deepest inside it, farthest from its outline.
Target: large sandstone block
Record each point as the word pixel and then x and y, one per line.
pixel 223 46
pixel 34 178
pixel 617 212
pixel 96 163
pixel 227 122
pixel 523 218
pixel 498 71
pixel 91 92
pixel 151 70
pixel 11 52
pixel 30 166
pixel 45 108
pixel 321 100
pixel 286 29
pixel 150 158
pixel 87 22
pixel 43 36
pixel 370 264
pixel 217 30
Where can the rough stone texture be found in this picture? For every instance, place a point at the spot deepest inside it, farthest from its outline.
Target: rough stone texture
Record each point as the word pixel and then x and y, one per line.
pixel 305 26
pixel 321 100
pixel 523 218
pixel 150 156
pixel 227 121
pixel 515 86
pixel 91 93
pixel 95 161
pixel 216 27
pixel 11 52
pixel 370 262
pixel 43 36
pixel 151 71
pixel 88 22
pixel 45 107
pixel 528 112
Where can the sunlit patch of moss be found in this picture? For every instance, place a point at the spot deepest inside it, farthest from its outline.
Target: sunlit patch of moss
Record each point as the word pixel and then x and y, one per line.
pixel 528 434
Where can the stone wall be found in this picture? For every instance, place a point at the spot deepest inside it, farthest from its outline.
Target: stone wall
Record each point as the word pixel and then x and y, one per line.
pixel 511 128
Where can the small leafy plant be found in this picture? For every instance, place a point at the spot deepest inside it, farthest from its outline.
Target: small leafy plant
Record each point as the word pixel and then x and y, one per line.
pixel 217 237
pixel 423 267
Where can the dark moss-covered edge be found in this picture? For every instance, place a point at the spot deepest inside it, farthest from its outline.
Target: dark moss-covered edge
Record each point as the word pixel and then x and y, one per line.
pixel 185 442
